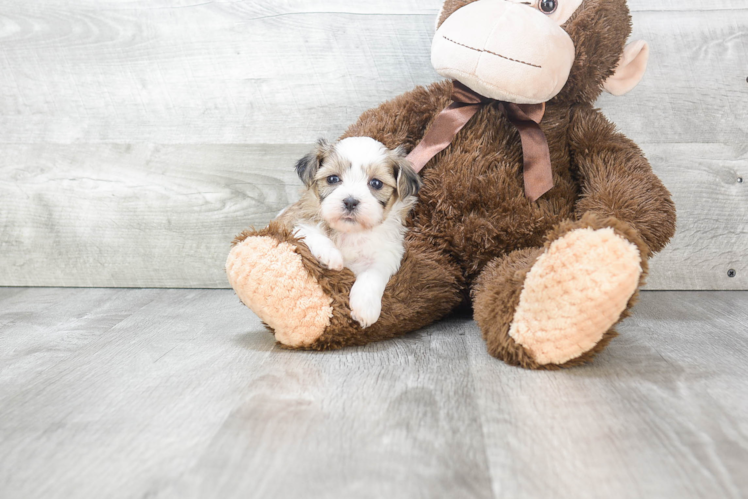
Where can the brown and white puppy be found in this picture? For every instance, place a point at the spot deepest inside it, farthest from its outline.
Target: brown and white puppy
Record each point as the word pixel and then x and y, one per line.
pixel 358 194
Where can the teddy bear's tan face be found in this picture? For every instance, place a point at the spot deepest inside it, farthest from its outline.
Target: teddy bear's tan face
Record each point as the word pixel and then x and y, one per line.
pixel 507 50
pixel 530 51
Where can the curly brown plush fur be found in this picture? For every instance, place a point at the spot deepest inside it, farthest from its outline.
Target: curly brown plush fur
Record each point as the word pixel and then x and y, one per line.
pixel 473 232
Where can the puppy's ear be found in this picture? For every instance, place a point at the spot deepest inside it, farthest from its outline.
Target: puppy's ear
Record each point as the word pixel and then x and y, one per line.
pixel 408 181
pixel 307 167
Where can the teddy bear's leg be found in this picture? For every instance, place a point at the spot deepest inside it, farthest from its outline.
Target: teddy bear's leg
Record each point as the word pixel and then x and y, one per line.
pixel 557 305
pixel 307 306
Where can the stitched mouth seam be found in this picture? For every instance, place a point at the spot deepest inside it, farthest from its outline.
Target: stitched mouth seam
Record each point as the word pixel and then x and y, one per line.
pixel 492 53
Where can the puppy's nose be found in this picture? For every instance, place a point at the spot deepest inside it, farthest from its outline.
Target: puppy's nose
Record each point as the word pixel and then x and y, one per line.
pixel 350 203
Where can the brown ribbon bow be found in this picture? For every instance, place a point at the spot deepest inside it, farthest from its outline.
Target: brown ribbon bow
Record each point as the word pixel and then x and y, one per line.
pixel 538 174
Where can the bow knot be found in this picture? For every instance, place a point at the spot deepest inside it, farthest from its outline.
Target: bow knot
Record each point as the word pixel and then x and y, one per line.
pixel 538 175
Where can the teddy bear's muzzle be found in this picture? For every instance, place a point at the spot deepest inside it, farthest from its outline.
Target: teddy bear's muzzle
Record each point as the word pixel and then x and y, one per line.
pixel 504 50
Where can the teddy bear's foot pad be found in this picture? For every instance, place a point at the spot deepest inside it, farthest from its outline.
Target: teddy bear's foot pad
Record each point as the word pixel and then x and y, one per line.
pixel 269 278
pixel 574 293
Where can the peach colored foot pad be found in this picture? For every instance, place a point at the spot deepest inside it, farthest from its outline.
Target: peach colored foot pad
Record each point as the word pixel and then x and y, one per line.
pixel 574 293
pixel 270 279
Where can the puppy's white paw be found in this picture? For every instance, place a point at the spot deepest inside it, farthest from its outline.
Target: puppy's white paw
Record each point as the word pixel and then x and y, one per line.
pixel 331 258
pixel 366 306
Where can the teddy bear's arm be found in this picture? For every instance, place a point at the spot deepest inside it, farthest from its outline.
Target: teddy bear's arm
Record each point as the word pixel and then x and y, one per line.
pixel 617 180
pixel 404 119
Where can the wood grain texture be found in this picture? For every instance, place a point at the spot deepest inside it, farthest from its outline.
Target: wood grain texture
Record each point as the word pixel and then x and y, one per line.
pixel 142 216
pixel 182 393
pixel 269 73
pixel 656 415
pixel 712 202
pixel 138 137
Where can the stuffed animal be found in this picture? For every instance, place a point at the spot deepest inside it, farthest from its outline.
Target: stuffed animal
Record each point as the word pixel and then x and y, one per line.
pixel 545 230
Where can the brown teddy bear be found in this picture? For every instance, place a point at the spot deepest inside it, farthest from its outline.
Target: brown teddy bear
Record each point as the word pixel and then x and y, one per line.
pixel 545 230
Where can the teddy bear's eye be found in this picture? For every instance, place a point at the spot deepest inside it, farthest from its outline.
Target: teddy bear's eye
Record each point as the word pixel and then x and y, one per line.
pixel 376 184
pixel 548 6
pixel 333 179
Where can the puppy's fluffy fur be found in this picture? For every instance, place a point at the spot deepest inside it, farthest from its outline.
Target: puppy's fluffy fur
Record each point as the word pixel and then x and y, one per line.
pixel 352 213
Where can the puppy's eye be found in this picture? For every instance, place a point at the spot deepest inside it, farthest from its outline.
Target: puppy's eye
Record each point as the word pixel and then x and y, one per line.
pixel 333 179
pixel 376 184
pixel 548 6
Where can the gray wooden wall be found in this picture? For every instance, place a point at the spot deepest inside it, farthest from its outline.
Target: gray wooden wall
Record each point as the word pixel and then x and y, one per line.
pixel 138 136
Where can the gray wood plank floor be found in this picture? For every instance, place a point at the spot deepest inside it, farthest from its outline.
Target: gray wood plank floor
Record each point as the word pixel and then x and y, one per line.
pixel 161 393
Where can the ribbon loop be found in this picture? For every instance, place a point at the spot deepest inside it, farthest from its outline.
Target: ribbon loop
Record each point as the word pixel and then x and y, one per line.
pixel 465 103
pixel 537 171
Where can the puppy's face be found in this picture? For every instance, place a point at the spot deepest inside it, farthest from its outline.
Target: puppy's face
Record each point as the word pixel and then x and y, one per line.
pixel 357 182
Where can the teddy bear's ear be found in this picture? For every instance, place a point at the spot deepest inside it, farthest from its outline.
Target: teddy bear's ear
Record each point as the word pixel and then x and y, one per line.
pixel 630 69
pixel 307 167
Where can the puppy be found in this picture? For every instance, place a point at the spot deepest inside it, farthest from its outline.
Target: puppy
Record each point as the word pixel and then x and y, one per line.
pixel 358 194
